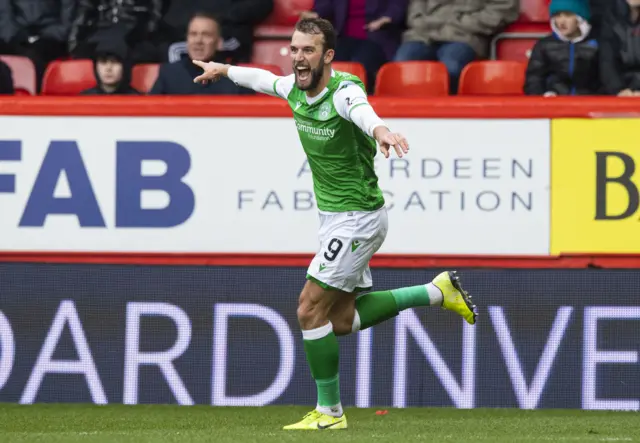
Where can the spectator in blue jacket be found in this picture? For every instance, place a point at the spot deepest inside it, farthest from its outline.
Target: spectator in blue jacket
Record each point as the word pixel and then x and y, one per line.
pixel 369 31
pixel 566 62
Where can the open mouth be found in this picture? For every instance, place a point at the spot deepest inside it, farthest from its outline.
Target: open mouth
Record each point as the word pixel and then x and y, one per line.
pixel 304 73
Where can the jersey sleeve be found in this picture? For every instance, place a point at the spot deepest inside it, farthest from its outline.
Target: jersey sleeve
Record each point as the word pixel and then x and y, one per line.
pixel 261 80
pixel 282 86
pixel 351 104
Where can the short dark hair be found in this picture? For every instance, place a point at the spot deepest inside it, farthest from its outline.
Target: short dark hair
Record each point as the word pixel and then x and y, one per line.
pixel 206 14
pixel 319 26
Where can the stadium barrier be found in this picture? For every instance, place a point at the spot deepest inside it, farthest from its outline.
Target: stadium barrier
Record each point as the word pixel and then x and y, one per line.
pixel 152 249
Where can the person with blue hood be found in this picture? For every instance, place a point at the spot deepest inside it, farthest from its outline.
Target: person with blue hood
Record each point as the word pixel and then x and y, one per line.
pixel 565 62
pixel 112 70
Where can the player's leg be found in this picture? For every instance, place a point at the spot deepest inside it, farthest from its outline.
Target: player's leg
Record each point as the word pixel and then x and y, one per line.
pixel 322 351
pixel 445 290
pixel 375 307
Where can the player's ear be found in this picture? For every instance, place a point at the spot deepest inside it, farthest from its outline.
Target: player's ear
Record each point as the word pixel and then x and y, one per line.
pixel 328 56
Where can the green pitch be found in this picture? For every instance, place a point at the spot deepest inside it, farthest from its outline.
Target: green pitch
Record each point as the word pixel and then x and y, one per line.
pixel 151 424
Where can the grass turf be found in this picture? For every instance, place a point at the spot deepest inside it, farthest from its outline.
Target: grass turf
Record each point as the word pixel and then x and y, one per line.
pixel 158 423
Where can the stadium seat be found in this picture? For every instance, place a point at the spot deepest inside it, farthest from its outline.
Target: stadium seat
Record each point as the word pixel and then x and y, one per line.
pixel 280 23
pixel 23 73
pixel 144 76
pixel 274 69
pixel 273 52
pixel 516 40
pixel 68 77
pixel 492 78
pixel 352 68
pixel 412 79
pixel 515 49
pixel 534 11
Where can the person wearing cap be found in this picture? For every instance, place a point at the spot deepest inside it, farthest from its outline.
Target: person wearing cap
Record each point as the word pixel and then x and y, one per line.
pixel 565 62
pixel 112 70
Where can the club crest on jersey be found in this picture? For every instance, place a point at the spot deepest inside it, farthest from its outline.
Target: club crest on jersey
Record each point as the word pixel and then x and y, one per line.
pixel 324 111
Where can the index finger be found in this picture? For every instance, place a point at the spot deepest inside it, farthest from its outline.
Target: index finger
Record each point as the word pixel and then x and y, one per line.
pixel 199 63
pixel 402 142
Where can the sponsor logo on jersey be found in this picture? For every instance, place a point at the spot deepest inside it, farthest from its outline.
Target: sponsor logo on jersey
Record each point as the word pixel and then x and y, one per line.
pixel 325 133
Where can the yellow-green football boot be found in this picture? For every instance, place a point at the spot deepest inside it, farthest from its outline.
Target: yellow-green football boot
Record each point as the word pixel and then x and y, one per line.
pixel 454 298
pixel 317 421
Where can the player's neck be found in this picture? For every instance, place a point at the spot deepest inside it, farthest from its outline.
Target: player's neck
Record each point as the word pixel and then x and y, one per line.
pixel 324 81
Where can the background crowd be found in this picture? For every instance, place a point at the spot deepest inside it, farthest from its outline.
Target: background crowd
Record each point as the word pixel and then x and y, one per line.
pixel 593 47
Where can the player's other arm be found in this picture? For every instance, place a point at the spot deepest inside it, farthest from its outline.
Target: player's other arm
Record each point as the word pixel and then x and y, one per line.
pixel 259 80
pixel 351 103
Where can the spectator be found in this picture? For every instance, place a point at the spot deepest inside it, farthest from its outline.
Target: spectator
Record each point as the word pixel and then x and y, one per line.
pixel 37 29
pixel 237 17
pixel 620 49
pixel 6 79
pixel 176 78
pixel 112 70
pixel 131 21
pixel 369 31
pixel 454 32
pixel 566 62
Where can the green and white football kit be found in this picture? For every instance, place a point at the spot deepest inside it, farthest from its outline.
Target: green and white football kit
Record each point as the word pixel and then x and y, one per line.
pixel 336 132
pixel 353 218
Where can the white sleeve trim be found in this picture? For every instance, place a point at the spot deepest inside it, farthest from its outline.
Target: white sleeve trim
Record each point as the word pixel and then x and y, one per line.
pixel 259 80
pixel 283 85
pixel 351 104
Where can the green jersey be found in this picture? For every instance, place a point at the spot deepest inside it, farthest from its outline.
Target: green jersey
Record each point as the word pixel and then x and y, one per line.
pixel 340 154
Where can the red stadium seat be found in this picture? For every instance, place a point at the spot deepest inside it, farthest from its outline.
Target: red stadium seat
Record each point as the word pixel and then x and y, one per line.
pixel 352 68
pixel 143 76
pixel 516 40
pixel 285 14
pixel 534 11
pixel 68 77
pixel 492 78
pixel 271 68
pixel 412 79
pixel 515 49
pixel 273 52
pixel 23 73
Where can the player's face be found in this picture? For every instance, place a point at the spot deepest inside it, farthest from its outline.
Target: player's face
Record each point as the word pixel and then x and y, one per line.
pixel 202 38
pixel 309 59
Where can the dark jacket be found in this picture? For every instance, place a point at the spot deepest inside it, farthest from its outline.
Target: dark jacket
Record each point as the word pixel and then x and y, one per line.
pixel 563 67
pixel 620 49
pixel 135 18
pixel 237 17
pixel 119 51
pixel 388 37
pixel 6 79
pixel 177 79
pixel 47 19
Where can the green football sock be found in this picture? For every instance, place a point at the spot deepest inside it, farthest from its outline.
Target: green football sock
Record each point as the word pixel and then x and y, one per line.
pixel 321 348
pixel 376 307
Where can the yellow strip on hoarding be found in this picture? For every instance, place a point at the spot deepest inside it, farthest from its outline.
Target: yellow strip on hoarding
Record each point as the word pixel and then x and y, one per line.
pixel 595 182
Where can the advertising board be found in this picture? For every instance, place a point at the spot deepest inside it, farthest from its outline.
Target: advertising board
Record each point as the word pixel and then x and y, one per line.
pixel 219 185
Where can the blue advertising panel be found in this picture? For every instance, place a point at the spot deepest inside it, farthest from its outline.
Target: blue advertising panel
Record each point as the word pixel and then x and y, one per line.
pixel 229 336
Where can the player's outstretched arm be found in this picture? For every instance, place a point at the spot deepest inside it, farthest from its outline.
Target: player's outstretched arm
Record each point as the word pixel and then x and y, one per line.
pixel 351 103
pixel 253 78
